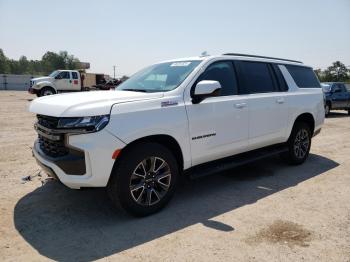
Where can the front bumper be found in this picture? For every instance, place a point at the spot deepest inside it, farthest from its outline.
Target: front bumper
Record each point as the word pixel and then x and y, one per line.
pixel 33 91
pixel 96 161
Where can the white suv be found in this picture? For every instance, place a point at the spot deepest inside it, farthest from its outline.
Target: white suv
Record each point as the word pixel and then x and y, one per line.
pixel 190 116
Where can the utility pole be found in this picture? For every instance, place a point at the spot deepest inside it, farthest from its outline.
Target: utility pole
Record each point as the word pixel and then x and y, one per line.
pixel 114 72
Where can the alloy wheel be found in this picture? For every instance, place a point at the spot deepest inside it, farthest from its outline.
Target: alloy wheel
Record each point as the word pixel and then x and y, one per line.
pixel 327 110
pixel 150 181
pixel 301 143
pixel 47 93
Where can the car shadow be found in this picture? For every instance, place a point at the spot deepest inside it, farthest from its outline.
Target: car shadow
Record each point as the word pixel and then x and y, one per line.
pixel 69 225
pixel 338 114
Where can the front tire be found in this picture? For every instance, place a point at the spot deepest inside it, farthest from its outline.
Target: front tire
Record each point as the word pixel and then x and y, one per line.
pixel 299 144
pixel 144 179
pixel 47 91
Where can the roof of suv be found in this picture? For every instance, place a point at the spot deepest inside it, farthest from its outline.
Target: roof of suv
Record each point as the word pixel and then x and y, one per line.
pixel 245 57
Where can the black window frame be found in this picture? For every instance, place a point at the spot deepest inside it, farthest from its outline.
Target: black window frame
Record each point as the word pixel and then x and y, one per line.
pixel 215 62
pixel 281 81
pixel 242 89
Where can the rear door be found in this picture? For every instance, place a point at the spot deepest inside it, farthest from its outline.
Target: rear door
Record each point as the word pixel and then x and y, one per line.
pixel 344 96
pixel 339 97
pixel 265 91
pixel 75 81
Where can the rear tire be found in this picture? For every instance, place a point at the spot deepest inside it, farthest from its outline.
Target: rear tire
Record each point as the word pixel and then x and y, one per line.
pixel 327 109
pixel 299 144
pixel 349 112
pixel 144 179
pixel 47 91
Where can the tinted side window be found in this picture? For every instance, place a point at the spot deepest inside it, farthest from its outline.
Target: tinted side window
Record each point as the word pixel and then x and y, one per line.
pixel 224 73
pixel 255 77
pixel 65 75
pixel 337 88
pixel 343 88
pixel 74 75
pixel 304 77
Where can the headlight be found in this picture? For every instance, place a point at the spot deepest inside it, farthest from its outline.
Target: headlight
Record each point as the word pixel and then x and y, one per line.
pixel 87 123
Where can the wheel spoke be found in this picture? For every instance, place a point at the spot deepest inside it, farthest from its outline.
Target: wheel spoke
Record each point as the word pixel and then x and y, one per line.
pixel 142 167
pixel 149 197
pixel 136 187
pixel 135 191
pixel 164 180
pixel 163 164
pixel 155 193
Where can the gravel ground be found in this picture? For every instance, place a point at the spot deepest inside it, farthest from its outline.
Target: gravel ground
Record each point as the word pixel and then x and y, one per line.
pixel 266 211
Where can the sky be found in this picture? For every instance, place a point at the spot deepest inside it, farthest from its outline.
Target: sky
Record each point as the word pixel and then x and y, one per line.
pixel 133 34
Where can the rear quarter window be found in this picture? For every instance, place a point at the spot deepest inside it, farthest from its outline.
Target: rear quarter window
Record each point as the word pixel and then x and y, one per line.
pixel 304 77
pixel 75 75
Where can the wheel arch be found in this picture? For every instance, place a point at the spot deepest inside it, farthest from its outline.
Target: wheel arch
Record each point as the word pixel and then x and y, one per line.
pixel 166 140
pixel 49 86
pixel 307 118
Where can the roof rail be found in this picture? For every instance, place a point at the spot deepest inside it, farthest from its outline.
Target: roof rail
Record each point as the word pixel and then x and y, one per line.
pixel 268 57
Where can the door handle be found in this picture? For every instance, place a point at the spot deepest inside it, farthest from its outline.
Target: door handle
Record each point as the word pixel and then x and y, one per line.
pixel 240 105
pixel 280 100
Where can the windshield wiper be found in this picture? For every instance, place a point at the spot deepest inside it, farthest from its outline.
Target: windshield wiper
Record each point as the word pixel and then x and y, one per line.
pixel 135 90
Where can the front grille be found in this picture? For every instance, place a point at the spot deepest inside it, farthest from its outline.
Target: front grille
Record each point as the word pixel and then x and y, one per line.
pixel 48 121
pixel 52 148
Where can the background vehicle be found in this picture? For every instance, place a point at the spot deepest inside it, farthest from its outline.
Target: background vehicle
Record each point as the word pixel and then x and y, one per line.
pixel 193 116
pixel 110 84
pixel 337 97
pixel 65 81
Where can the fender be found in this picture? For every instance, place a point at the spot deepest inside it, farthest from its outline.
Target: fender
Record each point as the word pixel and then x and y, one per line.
pixel 42 84
pixel 135 120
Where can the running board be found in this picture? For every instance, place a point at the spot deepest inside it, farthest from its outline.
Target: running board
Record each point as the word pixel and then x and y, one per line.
pixel 234 161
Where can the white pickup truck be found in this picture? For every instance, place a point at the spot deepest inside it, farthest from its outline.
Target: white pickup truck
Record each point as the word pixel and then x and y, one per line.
pixel 64 81
pixel 192 116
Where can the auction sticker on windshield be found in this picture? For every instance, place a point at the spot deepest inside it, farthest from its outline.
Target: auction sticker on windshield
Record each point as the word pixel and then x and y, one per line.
pixel 180 64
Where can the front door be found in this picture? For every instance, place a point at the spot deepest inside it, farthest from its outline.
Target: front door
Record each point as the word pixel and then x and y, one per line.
pixel 218 126
pixel 63 81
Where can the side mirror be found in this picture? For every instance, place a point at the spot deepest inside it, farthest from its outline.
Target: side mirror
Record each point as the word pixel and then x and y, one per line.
pixel 58 77
pixel 204 89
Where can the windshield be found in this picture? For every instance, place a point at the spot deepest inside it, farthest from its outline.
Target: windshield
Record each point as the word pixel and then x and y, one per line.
pixel 160 77
pixel 326 87
pixel 54 73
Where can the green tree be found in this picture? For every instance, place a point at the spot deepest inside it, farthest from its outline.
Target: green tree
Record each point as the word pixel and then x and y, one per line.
pixel 23 65
pixel 4 67
pixel 337 72
pixel 50 61
pixel 319 74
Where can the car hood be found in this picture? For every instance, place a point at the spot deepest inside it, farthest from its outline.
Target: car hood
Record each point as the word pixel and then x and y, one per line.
pixel 85 103
pixel 42 79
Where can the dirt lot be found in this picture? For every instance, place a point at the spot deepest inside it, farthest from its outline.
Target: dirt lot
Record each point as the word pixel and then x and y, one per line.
pixel 267 211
